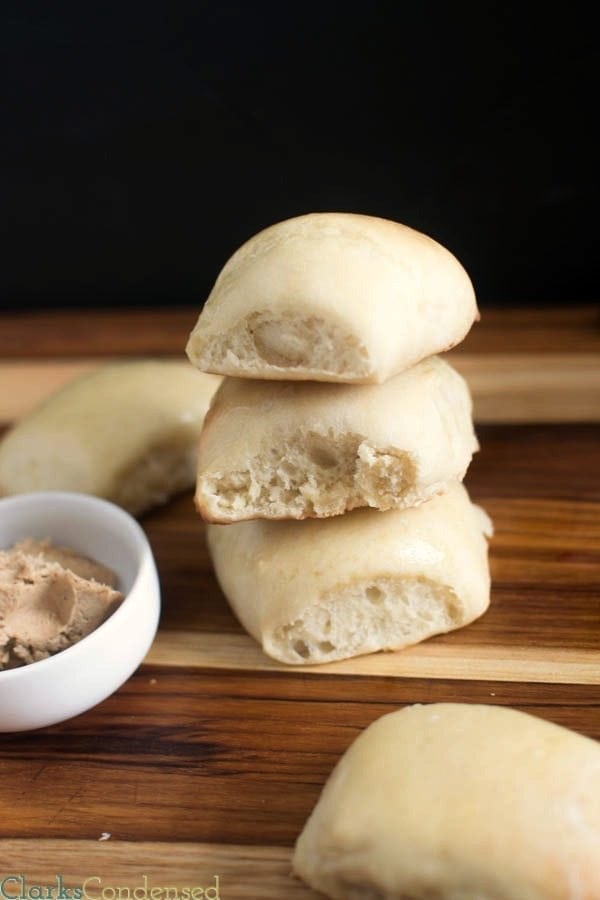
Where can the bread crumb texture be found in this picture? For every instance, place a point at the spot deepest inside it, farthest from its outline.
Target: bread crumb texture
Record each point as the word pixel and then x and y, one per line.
pixel 281 347
pixel 313 475
pixel 331 588
pixel 380 614
pixel 303 449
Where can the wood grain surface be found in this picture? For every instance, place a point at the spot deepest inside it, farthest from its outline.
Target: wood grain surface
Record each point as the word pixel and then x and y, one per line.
pixel 164 331
pixel 508 388
pixel 522 365
pixel 208 760
pixel 244 872
pixel 545 553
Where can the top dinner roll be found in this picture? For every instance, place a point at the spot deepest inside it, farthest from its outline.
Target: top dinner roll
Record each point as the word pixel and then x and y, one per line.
pixel 333 297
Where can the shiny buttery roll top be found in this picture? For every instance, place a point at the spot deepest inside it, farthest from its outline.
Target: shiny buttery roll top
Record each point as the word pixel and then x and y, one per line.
pixel 296 450
pixel 326 589
pixel 333 297
pixel 458 801
pixel 126 431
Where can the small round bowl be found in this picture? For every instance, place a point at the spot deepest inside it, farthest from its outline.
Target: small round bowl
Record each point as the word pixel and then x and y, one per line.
pixel 66 684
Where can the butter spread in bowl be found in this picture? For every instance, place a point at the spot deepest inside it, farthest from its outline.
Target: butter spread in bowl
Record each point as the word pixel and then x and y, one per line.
pixel 50 598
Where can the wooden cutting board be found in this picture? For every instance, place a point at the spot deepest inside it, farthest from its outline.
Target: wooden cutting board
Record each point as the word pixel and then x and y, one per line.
pixel 208 760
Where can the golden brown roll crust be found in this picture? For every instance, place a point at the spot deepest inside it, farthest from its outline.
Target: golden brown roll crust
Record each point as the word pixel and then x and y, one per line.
pixel 327 589
pixel 127 431
pixel 333 297
pixel 458 801
pixel 296 450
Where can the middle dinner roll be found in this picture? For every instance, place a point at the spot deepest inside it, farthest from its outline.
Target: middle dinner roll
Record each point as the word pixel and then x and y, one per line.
pixel 281 450
pixel 321 590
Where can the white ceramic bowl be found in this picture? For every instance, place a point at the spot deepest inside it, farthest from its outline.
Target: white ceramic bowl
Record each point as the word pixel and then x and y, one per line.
pixel 64 685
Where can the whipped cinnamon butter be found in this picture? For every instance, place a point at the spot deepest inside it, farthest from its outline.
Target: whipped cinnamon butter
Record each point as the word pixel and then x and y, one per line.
pixel 50 598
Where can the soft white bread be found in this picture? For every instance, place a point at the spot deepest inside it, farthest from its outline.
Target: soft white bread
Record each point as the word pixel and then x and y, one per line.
pixel 292 450
pixel 458 802
pixel 333 297
pixel 326 589
pixel 126 431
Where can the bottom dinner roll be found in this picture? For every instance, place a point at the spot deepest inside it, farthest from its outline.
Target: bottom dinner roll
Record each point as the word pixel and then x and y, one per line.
pixel 327 589
pixel 458 802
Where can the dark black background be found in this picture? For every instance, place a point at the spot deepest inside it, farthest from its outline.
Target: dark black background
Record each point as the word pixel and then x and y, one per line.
pixel 144 142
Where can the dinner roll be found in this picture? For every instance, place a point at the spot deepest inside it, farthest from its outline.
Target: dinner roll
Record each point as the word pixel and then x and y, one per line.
pixel 326 589
pixel 291 450
pixel 333 297
pixel 458 802
pixel 127 431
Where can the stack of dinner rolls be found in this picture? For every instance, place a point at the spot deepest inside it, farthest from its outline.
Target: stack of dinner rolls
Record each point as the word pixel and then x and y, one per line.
pixel 330 462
